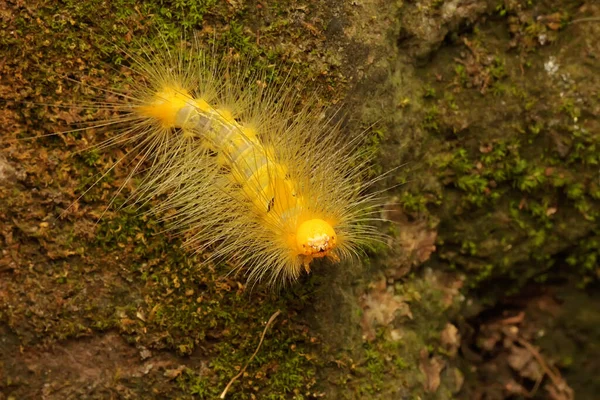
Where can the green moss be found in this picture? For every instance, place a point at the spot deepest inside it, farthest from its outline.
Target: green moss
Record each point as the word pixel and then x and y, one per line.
pixel 388 366
pixel 413 202
pixel 512 180
pixel 430 120
pixel 429 93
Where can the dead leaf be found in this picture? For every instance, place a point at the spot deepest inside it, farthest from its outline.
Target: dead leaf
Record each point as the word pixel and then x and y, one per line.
pixel 380 307
pixel 174 373
pixel 60 253
pixel 7 171
pixel 431 368
pixel 458 378
pixel 450 339
pixel 514 388
pixel 145 353
pixel 415 241
pixel 554 17
pixel 486 148
pixel 560 393
pixel 522 361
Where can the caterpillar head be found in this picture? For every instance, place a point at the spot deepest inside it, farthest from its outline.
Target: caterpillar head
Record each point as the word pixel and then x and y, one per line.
pixel 315 238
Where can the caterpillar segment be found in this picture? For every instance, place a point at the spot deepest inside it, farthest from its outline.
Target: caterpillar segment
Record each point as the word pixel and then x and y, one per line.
pixel 264 183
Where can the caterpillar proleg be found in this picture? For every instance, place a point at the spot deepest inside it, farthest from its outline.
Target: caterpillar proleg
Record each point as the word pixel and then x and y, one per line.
pixel 247 169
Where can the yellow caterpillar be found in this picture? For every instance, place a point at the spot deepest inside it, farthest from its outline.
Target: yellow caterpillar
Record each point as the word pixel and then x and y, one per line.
pixel 245 172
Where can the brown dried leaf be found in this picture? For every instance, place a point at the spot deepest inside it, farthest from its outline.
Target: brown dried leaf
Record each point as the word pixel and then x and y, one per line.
pixel 551 211
pixel 6 170
pixel 489 341
pixel 458 378
pixel 380 307
pixel 57 254
pixel 560 393
pixel 431 368
pixel 486 148
pixel 415 241
pixel 174 373
pixel 554 17
pixel 450 339
pixel 522 361
pixel 514 388
pixel 553 25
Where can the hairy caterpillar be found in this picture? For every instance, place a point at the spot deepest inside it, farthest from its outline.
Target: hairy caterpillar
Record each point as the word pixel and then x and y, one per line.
pixel 246 169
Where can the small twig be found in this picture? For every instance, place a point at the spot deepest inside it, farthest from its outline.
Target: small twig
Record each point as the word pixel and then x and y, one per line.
pixel 517 319
pixel 253 355
pixel 538 382
pixel 587 19
pixel 555 376
pixel 556 379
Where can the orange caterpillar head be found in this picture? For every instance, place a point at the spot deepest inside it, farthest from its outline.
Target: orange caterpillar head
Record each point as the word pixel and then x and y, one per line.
pixel 315 238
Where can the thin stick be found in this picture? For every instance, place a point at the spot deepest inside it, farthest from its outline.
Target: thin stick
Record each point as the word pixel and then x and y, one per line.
pixel 555 376
pixel 253 355
pixel 588 19
pixel 556 379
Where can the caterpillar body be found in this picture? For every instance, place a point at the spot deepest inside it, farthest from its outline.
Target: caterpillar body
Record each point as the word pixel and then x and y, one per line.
pixel 244 170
